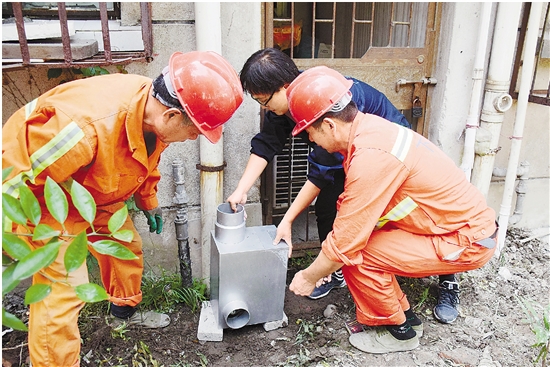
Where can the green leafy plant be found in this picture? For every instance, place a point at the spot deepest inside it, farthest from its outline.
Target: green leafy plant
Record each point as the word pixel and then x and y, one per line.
pixel 162 292
pixel 423 298
pixel 143 357
pixel 119 331
pixel 21 261
pixel 192 297
pixel 305 332
pixel 203 361
pixel 539 325
pixel 54 73
pixel 302 359
pixel 303 261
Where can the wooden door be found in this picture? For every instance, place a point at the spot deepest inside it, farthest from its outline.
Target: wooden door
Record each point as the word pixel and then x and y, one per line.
pixel 390 46
pixel 382 44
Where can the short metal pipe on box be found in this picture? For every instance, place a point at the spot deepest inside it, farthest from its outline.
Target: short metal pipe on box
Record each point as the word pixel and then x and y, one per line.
pixel 247 273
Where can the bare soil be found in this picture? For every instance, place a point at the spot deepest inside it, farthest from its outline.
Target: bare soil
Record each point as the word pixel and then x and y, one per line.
pixel 491 329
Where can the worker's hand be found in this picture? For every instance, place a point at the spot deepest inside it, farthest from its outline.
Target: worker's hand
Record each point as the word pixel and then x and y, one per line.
pixel 284 232
pixel 300 285
pixel 323 280
pixel 237 197
pixel 154 219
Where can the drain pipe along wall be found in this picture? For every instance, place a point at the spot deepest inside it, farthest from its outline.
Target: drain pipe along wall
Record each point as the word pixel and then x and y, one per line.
pixel 496 98
pixel 472 122
pixel 208 35
pixel 531 38
pixel 181 222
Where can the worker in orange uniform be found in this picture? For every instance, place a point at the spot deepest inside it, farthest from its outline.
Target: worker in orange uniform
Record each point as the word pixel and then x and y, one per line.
pixel 108 133
pixel 406 210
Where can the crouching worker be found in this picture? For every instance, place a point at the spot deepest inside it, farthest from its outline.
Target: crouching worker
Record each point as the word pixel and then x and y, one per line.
pixel 406 210
pixel 108 133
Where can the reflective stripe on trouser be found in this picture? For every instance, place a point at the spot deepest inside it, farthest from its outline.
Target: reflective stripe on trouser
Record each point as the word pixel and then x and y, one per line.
pixel 54 338
pixel 375 291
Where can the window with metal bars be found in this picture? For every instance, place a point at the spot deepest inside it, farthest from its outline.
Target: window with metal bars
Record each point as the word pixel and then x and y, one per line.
pixel 346 30
pixel 540 88
pixel 99 52
pixel 75 10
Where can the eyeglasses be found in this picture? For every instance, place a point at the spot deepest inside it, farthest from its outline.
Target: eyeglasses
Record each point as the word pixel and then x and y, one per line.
pixel 266 102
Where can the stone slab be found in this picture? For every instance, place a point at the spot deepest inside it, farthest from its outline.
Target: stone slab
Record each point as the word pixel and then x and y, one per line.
pixel 53 50
pixel 208 326
pixel 273 325
pixel 35 29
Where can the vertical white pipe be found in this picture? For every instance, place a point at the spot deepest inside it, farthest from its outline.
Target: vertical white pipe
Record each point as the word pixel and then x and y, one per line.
pixel 531 38
pixel 209 38
pixel 472 122
pixel 496 87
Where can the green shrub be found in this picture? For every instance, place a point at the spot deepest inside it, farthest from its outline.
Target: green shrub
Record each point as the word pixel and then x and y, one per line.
pixel 20 261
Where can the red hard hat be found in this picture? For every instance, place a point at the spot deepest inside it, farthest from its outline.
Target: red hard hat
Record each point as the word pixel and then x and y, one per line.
pixel 208 88
pixel 314 92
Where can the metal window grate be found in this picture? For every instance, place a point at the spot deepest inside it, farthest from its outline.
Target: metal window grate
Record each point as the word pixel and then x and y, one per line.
pixel 540 89
pixel 290 170
pixel 347 30
pixel 107 57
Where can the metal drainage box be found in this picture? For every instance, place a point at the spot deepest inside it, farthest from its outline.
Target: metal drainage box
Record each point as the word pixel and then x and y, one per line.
pixel 247 272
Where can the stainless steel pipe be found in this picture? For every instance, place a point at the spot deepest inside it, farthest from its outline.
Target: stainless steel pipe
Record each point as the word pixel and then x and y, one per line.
pixel 230 225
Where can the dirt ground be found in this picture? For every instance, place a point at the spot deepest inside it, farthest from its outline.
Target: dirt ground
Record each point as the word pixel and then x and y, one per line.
pixel 491 329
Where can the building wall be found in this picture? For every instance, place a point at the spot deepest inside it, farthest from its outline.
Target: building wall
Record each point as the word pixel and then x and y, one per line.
pixel 535 150
pixel 174 30
pixel 240 38
pixel 450 98
pixel 241 25
pixel 450 102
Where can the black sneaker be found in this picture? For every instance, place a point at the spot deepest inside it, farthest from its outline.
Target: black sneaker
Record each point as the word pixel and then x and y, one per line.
pixel 446 310
pixel 337 281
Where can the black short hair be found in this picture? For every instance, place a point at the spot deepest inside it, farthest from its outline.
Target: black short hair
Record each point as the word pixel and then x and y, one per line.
pixel 160 92
pixel 266 71
pixel 163 96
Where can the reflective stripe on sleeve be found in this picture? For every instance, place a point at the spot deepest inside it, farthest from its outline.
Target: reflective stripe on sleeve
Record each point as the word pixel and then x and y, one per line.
pixel 402 143
pixel 400 211
pixel 64 141
pixel 30 107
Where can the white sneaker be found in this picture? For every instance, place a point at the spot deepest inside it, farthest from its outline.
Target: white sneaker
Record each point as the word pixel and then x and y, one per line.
pixel 148 320
pixel 379 340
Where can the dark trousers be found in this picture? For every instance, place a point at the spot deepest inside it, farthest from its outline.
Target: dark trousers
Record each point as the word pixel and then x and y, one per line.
pixel 325 206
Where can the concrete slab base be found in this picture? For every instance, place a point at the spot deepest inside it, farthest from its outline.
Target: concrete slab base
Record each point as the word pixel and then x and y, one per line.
pixel 273 325
pixel 52 50
pixel 208 325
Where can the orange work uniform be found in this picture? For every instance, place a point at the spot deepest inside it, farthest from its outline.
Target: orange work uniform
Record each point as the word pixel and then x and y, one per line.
pixel 91 131
pixel 406 210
